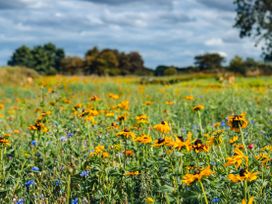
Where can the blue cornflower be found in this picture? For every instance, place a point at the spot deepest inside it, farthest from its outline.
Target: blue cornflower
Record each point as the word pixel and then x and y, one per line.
pixel 69 134
pixel 20 201
pixel 57 182
pixel 29 183
pixel 63 139
pixel 33 142
pixel 35 168
pixel 84 173
pixel 74 201
pixel 223 124
pixel 216 200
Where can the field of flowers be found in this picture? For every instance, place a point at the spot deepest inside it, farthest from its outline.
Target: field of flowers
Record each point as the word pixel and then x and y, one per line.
pixel 114 140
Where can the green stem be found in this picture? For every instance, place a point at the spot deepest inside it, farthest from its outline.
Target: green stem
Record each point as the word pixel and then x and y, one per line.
pixel 204 192
pixel 245 189
pixel 243 140
pixel 200 122
pixel 68 190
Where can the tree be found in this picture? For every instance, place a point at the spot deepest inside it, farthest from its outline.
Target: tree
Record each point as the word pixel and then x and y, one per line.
pixel 22 56
pixel 72 65
pixel 170 71
pixel 237 65
pixel 107 63
pixel 159 71
pixel 136 62
pixel 209 61
pixel 254 19
pixel 45 59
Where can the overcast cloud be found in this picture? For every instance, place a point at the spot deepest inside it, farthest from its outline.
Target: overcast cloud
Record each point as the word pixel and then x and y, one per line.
pixel 164 31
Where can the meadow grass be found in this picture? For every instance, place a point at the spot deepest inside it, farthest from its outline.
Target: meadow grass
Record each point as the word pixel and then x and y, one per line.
pixel 114 140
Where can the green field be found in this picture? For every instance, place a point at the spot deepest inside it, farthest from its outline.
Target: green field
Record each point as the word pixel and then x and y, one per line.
pixel 115 140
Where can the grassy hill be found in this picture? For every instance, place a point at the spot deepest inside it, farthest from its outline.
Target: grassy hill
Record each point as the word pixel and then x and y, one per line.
pixel 17 75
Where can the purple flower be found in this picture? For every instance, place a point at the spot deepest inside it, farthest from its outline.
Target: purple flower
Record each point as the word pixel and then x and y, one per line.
pixel 29 183
pixel 63 139
pixel 223 124
pixel 33 142
pixel 20 201
pixel 69 134
pixel 216 200
pixel 57 182
pixel 74 201
pixel 35 169
pixel 84 173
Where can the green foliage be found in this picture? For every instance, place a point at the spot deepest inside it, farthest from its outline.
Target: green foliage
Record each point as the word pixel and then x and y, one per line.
pixel 163 70
pixel 22 57
pixel 72 65
pixel 254 19
pixel 44 59
pixel 209 61
pixel 237 65
pixel 249 66
pixel 170 71
pixel 113 62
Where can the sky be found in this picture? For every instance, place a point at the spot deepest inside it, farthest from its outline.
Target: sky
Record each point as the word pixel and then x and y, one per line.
pixel 165 32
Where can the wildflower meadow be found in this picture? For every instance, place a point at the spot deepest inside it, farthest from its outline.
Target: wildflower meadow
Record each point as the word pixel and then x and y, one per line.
pixel 115 140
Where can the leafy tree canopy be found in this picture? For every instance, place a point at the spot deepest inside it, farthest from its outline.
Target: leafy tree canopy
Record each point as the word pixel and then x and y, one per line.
pixel 254 19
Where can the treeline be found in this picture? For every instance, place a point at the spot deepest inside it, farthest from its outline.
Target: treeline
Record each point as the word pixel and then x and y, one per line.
pixel 47 59
pixel 214 62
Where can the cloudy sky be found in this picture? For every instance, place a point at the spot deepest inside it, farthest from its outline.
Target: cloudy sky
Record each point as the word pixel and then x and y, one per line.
pixel 168 32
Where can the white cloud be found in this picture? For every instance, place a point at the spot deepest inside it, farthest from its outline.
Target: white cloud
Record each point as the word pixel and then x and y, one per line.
pixel 214 42
pixel 169 32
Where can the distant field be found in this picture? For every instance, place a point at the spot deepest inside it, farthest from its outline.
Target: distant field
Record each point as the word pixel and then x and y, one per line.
pixel 133 140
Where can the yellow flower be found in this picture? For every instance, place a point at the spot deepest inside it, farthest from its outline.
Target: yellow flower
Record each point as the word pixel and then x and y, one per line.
pixel 132 173
pixel 148 103
pixel 169 102
pixel 4 141
pixel 198 107
pixel 126 133
pixel 144 139
pixel 149 200
pixel 129 153
pixel 244 175
pixel 99 149
pixel 264 158
pixel 197 176
pixel 233 140
pixel 198 146
pixel 235 122
pixel 109 114
pixel 105 154
pixel 123 105
pixel 142 118
pixel 16 131
pixel 113 96
pixel 2 106
pixel 180 143
pixel 95 98
pixel 77 106
pixel 167 141
pixel 250 201
pixel 163 127
pixel 114 125
pixel 189 98
pixel 216 124
pixel 121 118
pixel 237 159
